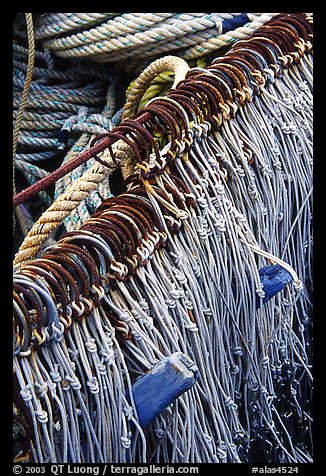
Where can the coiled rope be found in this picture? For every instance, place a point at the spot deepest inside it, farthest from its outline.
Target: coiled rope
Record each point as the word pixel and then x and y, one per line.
pixel 151 34
pixel 227 190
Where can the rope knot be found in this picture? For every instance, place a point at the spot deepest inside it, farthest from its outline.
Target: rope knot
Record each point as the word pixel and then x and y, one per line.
pixel 253 192
pixel 174 293
pixel 55 375
pixel 143 304
pixel 93 385
pixel 159 432
pixel 126 442
pixel 219 223
pixel 135 313
pixel 124 316
pixel 91 345
pixel 267 172
pixel 73 354
pixel 260 292
pixel 239 216
pixel 182 215
pixel 52 388
pixel 74 383
pixel 221 453
pixel 263 391
pixel 202 234
pixel 148 322
pixel 128 411
pixel 228 402
pixel 42 416
pixel 207 312
pixel 235 369
pixel 120 270
pixel 298 285
pixel 197 271
pixel 108 357
pixel 26 393
pixel 237 350
pixel 42 389
pixel 99 291
pixel 102 369
pixel 191 326
pixel 240 170
pixel 181 277
pixel 219 188
pixel 137 336
pixel 170 303
pixel 79 309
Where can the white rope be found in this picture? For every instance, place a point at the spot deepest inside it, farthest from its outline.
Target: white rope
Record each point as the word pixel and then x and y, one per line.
pixel 133 34
pixel 49 24
pixel 250 188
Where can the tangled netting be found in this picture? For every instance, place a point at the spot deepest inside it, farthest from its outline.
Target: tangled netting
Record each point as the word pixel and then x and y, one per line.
pixel 174 264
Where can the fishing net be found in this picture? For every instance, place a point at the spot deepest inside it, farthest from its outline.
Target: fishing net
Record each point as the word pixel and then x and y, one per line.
pixel 204 256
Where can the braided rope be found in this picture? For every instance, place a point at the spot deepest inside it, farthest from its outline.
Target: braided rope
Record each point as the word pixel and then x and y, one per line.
pixel 167 63
pixel 55 23
pixel 133 34
pixel 216 42
pixel 66 203
pixel 117 28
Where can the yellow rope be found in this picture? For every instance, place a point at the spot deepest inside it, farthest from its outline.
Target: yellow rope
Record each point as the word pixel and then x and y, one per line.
pixel 28 79
pixel 161 84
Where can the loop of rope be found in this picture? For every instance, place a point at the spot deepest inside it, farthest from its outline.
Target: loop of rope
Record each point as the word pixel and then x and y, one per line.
pixel 168 63
pixel 174 264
